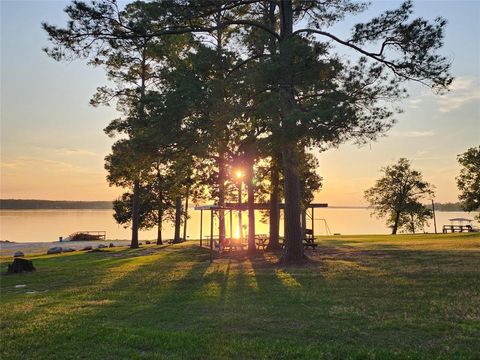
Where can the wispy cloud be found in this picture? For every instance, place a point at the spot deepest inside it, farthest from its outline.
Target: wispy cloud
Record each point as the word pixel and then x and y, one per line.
pixel 63 150
pixel 77 152
pixel 413 134
pixel 432 158
pixel 462 91
pixel 34 163
pixel 415 103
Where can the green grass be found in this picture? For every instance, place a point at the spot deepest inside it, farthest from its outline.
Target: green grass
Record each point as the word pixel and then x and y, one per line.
pixel 362 297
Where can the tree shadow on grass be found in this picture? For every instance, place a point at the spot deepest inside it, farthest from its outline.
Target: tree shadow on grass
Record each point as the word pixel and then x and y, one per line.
pixel 198 302
pixel 63 287
pixel 123 301
pixel 178 305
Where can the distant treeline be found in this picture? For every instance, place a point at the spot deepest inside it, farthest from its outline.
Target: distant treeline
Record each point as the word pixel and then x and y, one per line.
pixel 18 204
pixel 448 206
pixel 457 206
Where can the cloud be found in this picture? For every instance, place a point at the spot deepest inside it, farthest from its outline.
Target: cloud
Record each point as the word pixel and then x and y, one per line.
pixel 413 134
pixel 9 165
pixel 62 150
pixel 415 103
pixel 462 91
pixel 432 158
pixel 78 152
pixel 34 164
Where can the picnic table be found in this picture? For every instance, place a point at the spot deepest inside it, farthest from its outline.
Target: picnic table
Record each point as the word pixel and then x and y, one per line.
pixel 309 240
pixel 458 225
pixel 261 241
pixel 233 244
pixel 457 228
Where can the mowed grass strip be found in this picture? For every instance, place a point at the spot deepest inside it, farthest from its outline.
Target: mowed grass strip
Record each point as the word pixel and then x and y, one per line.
pixel 361 297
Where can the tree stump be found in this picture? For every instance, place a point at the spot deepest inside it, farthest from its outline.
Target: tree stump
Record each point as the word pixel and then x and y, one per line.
pixel 20 265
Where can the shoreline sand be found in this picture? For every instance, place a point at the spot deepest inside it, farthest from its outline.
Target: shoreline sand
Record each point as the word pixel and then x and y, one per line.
pixel 39 248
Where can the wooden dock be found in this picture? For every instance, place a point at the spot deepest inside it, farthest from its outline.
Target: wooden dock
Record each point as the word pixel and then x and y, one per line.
pixel 87 236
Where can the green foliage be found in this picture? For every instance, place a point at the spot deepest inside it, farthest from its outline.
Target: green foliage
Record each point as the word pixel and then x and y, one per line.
pixel 468 181
pixel 415 41
pixel 397 195
pixel 335 100
pixel 148 216
pixel 310 181
pixel 124 163
pixel 415 218
pixel 456 206
pixel 152 205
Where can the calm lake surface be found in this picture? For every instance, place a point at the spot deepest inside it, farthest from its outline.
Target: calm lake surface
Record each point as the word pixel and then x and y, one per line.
pixel 48 225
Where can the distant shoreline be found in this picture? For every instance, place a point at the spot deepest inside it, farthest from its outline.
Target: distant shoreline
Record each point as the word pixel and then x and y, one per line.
pixel 34 204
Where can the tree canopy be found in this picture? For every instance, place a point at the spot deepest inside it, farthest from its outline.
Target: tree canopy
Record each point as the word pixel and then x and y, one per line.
pixel 397 196
pixel 468 181
pixel 227 75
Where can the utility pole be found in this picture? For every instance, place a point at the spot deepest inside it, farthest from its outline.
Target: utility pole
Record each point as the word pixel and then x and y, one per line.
pixel 434 219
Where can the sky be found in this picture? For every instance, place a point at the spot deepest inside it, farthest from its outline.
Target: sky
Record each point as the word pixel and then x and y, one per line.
pixel 53 145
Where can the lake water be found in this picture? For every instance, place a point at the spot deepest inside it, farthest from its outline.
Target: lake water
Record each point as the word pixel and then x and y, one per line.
pixel 48 225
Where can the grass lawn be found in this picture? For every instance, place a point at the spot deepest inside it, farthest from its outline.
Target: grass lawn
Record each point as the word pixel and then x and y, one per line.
pixel 362 297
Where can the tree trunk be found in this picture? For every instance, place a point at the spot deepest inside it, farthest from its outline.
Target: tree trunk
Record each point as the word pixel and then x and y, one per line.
pixel 159 227
pixel 178 219
pixel 274 214
pixel 136 184
pixel 251 209
pixel 293 231
pixel 221 197
pixel 240 222
pixel 20 265
pixel 135 213
pixel 274 211
pixel 222 145
pixel 304 223
pixel 185 217
pixel 395 224
pixel 412 219
pixel 160 209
